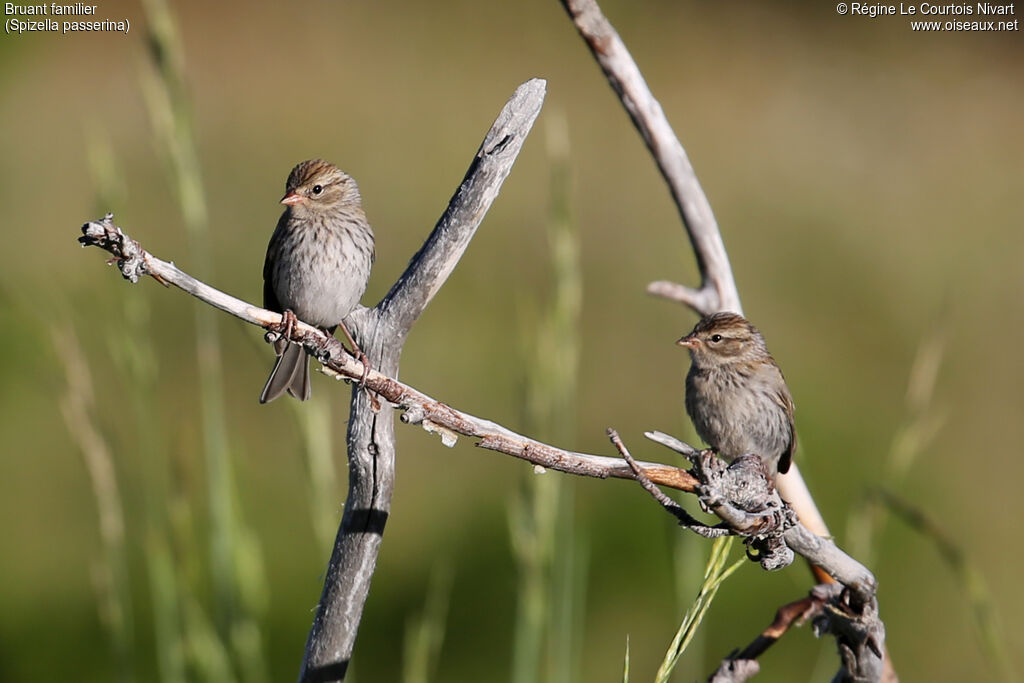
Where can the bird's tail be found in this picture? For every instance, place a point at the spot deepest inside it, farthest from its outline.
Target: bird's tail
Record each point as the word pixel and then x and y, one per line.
pixel 290 373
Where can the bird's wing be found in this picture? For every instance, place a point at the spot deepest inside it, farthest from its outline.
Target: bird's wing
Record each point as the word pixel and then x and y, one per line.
pixel 270 301
pixel 785 401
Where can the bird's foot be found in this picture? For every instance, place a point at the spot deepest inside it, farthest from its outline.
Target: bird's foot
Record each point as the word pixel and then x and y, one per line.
pixel 288 322
pixel 365 360
pixel 282 330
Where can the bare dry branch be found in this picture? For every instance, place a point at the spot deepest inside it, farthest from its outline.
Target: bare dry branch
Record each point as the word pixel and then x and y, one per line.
pixel 420 409
pixel 438 256
pixel 674 508
pixel 381 332
pixel 741 496
pixel 858 631
pixel 741 666
pixel 447 422
pixel 859 634
pixel 718 289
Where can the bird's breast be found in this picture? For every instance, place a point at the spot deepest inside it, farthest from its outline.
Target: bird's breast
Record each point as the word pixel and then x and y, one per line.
pixel 321 269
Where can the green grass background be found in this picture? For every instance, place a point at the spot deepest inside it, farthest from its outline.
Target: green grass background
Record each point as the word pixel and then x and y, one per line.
pixel 868 181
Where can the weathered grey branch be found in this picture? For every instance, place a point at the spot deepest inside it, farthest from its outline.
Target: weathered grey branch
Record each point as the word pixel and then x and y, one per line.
pixel 438 418
pixel 847 609
pixel 718 288
pixel 741 666
pixel 441 252
pixel 840 566
pixel 420 409
pixel 381 332
pixel 858 631
pixel 435 417
pixel 684 518
pixel 859 634
pixel 822 552
pixel 717 291
pixel 447 422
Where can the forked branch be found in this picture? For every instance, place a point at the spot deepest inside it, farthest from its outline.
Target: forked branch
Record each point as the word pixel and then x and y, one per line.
pixel 449 423
pixel 717 291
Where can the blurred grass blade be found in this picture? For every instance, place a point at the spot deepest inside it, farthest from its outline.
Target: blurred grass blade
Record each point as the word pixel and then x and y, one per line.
pixel 968 576
pixel 167 100
pixel 569 585
pixel 625 663
pixel 166 597
pixel 110 190
pixel 110 575
pixel 236 570
pixel 205 651
pixel 424 634
pixel 714 574
pixel 133 354
pixel 920 426
pixel 923 422
pixel 547 549
pixel 314 421
pixel 532 546
pixel 689 565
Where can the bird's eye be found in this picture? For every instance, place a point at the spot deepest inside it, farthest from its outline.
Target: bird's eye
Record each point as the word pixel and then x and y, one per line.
pixel 716 338
pixel 317 189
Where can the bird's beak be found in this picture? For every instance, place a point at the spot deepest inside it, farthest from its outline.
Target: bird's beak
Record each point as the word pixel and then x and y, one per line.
pixel 689 342
pixel 292 198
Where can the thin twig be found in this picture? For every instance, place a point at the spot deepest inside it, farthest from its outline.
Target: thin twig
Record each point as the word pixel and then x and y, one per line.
pixel 718 289
pixel 741 666
pixel 830 560
pixel 786 617
pixel 674 508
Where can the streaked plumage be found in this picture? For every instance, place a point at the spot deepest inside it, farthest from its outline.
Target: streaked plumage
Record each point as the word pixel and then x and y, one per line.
pixel 736 394
pixel 318 263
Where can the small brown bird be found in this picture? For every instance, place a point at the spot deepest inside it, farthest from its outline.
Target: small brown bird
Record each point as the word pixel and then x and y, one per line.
pixel 735 392
pixel 318 263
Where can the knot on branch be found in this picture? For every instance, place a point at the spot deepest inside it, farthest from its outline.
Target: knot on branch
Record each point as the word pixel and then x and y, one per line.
pixel 857 628
pixel 743 484
pixel 414 415
pixel 742 495
pixel 325 349
pixel 128 253
pixel 500 145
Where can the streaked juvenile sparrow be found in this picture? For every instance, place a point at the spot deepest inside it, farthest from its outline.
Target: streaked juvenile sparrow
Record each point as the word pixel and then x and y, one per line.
pixel 735 392
pixel 318 263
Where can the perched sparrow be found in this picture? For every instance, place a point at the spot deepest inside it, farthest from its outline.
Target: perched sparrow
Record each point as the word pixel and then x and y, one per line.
pixel 318 263
pixel 735 392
